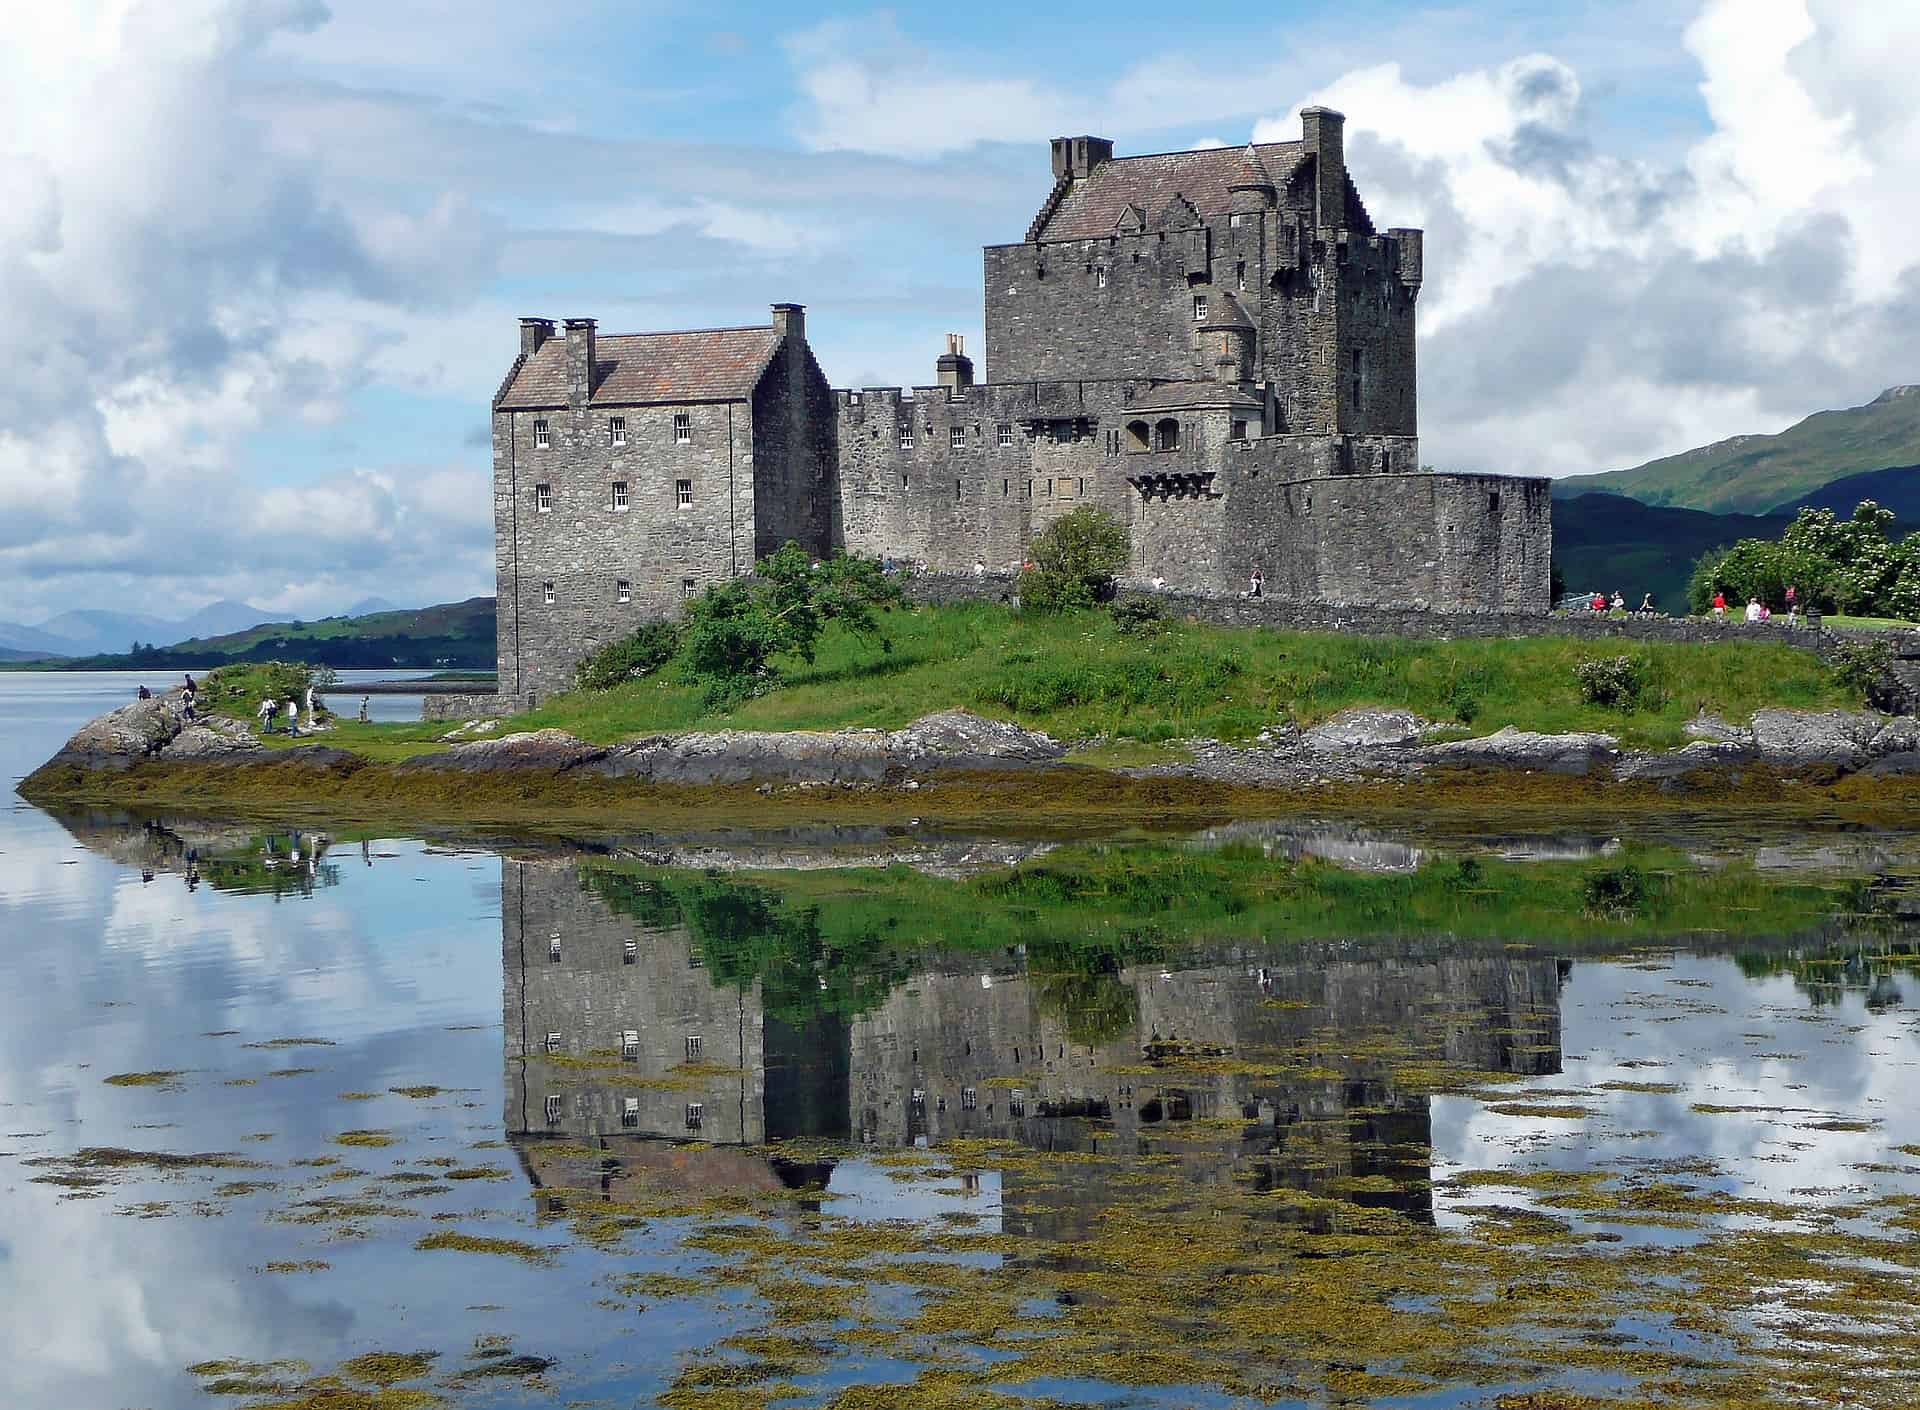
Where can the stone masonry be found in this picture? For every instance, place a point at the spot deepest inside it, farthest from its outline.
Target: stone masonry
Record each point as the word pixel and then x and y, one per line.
pixel 1215 347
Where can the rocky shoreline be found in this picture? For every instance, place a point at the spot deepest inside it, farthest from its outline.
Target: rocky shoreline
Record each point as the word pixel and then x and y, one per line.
pixel 1360 748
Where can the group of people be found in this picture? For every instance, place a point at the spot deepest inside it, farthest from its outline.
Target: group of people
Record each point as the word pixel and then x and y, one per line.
pixel 270 709
pixel 1758 611
pixel 189 698
pixel 1601 605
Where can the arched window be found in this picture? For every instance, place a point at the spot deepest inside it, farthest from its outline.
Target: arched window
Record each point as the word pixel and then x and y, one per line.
pixel 1166 435
pixel 1137 435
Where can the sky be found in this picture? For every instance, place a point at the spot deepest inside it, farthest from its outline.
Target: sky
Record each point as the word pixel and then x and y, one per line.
pixel 261 261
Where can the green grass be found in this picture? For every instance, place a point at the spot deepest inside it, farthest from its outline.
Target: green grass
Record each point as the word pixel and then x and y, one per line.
pixel 1079 678
pixel 1880 623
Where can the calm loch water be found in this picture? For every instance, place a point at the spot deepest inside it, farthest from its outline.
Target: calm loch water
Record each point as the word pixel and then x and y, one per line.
pixel 1289 1113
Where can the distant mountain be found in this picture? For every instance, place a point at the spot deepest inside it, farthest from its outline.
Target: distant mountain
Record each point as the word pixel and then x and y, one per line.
pixel 86 632
pixel 15 636
pixel 14 653
pixel 1896 488
pixel 366 607
pixel 216 619
pixel 1607 542
pixel 1752 474
pixel 457 634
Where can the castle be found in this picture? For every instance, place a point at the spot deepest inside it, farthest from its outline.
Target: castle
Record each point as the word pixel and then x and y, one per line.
pixel 1216 347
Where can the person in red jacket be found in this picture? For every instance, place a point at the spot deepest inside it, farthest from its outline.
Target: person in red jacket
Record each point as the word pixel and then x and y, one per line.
pixel 1720 605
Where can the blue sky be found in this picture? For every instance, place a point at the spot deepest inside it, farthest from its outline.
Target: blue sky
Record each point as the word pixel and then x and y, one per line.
pixel 262 258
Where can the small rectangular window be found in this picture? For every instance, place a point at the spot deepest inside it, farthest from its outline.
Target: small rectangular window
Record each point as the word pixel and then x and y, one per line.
pixel 616 430
pixel 619 496
pixel 683 428
pixel 1005 433
pixel 906 435
pixel 1099 276
pixel 683 493
pixel 969 1098
pixel 630 1043
pixel 553 1042
pixel 540 440
pixel 696 1113
pixel 1240 274
pixel 1238 431
pixel 686 587
pixel 1356 391
pixel 1049 488
pixel 956 490
pixel 1006 488
pixel 956 438
pixel 554 1107
pixel 1016 1103
pixel 1199 308
pixel 546 595
pixel 694 1045
pixel 630 1111
pixel 1493 501
pixel 629 951
pixel 622 591
pixel 553 949
pixel 543 499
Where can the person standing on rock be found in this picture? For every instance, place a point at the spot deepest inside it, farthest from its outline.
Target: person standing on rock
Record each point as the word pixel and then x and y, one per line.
pixel 1646 605
pixel 363 708
pixel 268 709
pixel 293 717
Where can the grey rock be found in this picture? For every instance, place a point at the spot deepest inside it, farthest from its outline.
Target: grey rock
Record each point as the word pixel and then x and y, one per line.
pixel 958 739
pixel 1366 727
pixel 1900 735
pixel 1670 765
pixel 1510 748
pixel 549 749
pixel 1715 730
pixel 213 738
pixel 1799 738
pixel 125 736
pixel 1901 765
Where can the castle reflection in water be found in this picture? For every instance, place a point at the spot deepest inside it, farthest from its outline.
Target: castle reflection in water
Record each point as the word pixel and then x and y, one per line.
pixel 627 1056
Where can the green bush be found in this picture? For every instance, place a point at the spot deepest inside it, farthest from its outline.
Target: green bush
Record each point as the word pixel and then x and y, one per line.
pixel 1857 666
pixel 1139 616
pixel 1619 683
pixel 1075 560
pixel 1621 891
pixel 646 651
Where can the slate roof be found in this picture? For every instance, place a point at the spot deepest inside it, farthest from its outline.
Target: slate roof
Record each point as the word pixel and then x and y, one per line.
pixel 1227 313
pixel 1188 396
pixel 1092 207
pixel 636 369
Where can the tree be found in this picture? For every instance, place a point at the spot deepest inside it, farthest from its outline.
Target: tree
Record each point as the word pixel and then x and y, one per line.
pixel 1074 562
pixel 735 629
pixel 1852 565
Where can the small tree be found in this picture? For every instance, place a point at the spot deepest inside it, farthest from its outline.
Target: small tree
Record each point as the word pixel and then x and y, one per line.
pixel 734 629
pixel 648 649
pixel 1074 562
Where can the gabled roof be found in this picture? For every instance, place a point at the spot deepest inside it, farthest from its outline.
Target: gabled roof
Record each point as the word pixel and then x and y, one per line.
pixel 637 369
pixel 1191 396
pixel 1092 207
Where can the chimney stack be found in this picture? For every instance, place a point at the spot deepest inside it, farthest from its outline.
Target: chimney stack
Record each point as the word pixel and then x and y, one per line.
pixel 791 319
pixel 953 368
pixel 1324 134
pixel 1078 156
pixel 533 333
pixel 579 360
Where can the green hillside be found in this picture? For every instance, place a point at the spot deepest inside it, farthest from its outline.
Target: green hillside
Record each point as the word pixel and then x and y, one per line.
pixel 1755 474
pixel 453 634
pixel 1608 542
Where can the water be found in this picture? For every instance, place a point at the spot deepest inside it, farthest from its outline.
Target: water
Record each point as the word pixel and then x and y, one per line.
pixel 1281 1113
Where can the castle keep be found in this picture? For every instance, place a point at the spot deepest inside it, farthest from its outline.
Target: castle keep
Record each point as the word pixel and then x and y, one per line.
pixel 1215 347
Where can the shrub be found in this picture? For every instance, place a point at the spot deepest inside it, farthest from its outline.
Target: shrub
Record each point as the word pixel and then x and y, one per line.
pixel 1075 560
pixel 1857 666
pixel 1619 683
pixel 1139 616
pixel 1621 891
pixel 238 690
pixel 647 650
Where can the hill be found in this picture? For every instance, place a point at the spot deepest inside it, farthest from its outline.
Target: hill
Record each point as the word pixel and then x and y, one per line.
pixel 1896 488
pixel 1753 474
pixel 86 632
pixel 456 634
pixel 1607 541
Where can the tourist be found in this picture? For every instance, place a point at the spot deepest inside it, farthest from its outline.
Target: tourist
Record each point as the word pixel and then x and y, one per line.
pixel 145 694
pixel 191 687
pixel 1754 609
pixel 1619 602
pixel 1159 584
pixel 1646 605
pixel 1255 583
pixel 268 709
pixel 886 563
pixel 1720 605
pixel 312 714
pixel 293 717
pixel 1793 610
pixel 364 716
pixel 979 567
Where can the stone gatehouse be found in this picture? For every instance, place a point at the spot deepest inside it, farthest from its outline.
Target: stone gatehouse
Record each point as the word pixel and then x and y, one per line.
pixel 1216 347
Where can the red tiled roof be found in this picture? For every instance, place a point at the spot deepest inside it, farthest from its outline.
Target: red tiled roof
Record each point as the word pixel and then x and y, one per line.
pixel 1092 207
pixel 635 369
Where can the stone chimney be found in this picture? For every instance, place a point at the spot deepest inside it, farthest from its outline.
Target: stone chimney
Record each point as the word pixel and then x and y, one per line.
pixel 791 319
pixel 1324 134
pixel 953 368
pixel 533 333
pixel 1078 156
pixel 579 360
